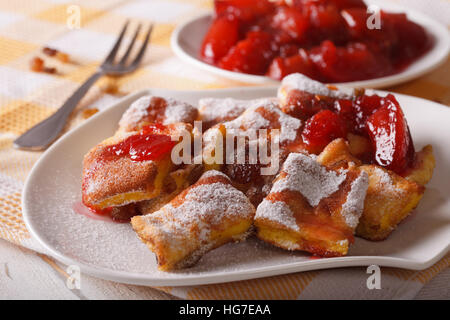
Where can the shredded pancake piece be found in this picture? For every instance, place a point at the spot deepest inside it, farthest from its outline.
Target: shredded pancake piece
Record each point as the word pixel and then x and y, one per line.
pixel 206 215
pixel 312 208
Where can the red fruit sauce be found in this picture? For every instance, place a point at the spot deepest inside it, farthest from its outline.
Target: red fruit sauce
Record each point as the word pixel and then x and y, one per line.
pixel 390 136
pixel 321 129
pixel 96 214
pixel 327 40
pixel 379 119
pixel 117 214
pixel 149 144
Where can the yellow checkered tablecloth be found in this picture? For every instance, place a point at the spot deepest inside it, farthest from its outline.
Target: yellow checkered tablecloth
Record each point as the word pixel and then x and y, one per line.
pixel 27 97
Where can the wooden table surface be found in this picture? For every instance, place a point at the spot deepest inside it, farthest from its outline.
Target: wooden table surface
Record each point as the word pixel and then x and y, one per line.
pixel 25 274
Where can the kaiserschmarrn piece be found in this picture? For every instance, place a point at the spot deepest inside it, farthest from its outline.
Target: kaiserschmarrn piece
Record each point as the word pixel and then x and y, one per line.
pixel 301 97
pixel 205 216
pixel 312 208
pixel 215 110
pixel 421 170
pixel 278 127
pixel 112 176
pixel 177 181
pixel 152 109
pixel 265 114
pixel 320 165
pixel 390 199
pixel 337 155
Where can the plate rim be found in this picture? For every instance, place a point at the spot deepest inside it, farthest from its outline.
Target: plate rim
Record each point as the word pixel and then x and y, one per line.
pixel 440 33
pixel 148 279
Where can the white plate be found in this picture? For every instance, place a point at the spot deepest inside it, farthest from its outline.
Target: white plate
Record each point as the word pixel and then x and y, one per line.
pixel 112 251
pixel 188 37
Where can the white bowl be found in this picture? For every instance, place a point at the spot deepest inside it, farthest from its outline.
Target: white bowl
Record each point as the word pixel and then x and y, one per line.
pixel 187 39
pixel 113 251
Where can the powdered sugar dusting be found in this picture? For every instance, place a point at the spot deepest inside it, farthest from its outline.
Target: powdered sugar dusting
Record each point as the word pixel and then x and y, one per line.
pixel 204 206
pixel 215 108
pixel 385 180
pixel 214 173
pixel 176 111
pixel 307 176
pixel 136 111
pixel 289 126
pixel 212 201
pixel 248 120
pixel 298 81
pixel 278 212
pixel 254 120
pixel 354 205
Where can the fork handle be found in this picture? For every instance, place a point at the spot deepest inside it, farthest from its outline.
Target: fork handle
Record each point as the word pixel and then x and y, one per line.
pixel 45 132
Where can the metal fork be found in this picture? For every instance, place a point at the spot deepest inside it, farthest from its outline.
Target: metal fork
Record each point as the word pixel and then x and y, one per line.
pixel 44 133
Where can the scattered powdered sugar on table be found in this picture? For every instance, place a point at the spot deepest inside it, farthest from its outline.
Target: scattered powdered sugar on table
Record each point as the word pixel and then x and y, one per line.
pixel 308 177
pixel 354 205
pixel 297 81
pixel 278 212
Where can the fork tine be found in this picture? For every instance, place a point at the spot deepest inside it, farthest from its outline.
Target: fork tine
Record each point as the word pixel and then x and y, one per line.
pixel 112 53
pixel 144 46
pixel 127 53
